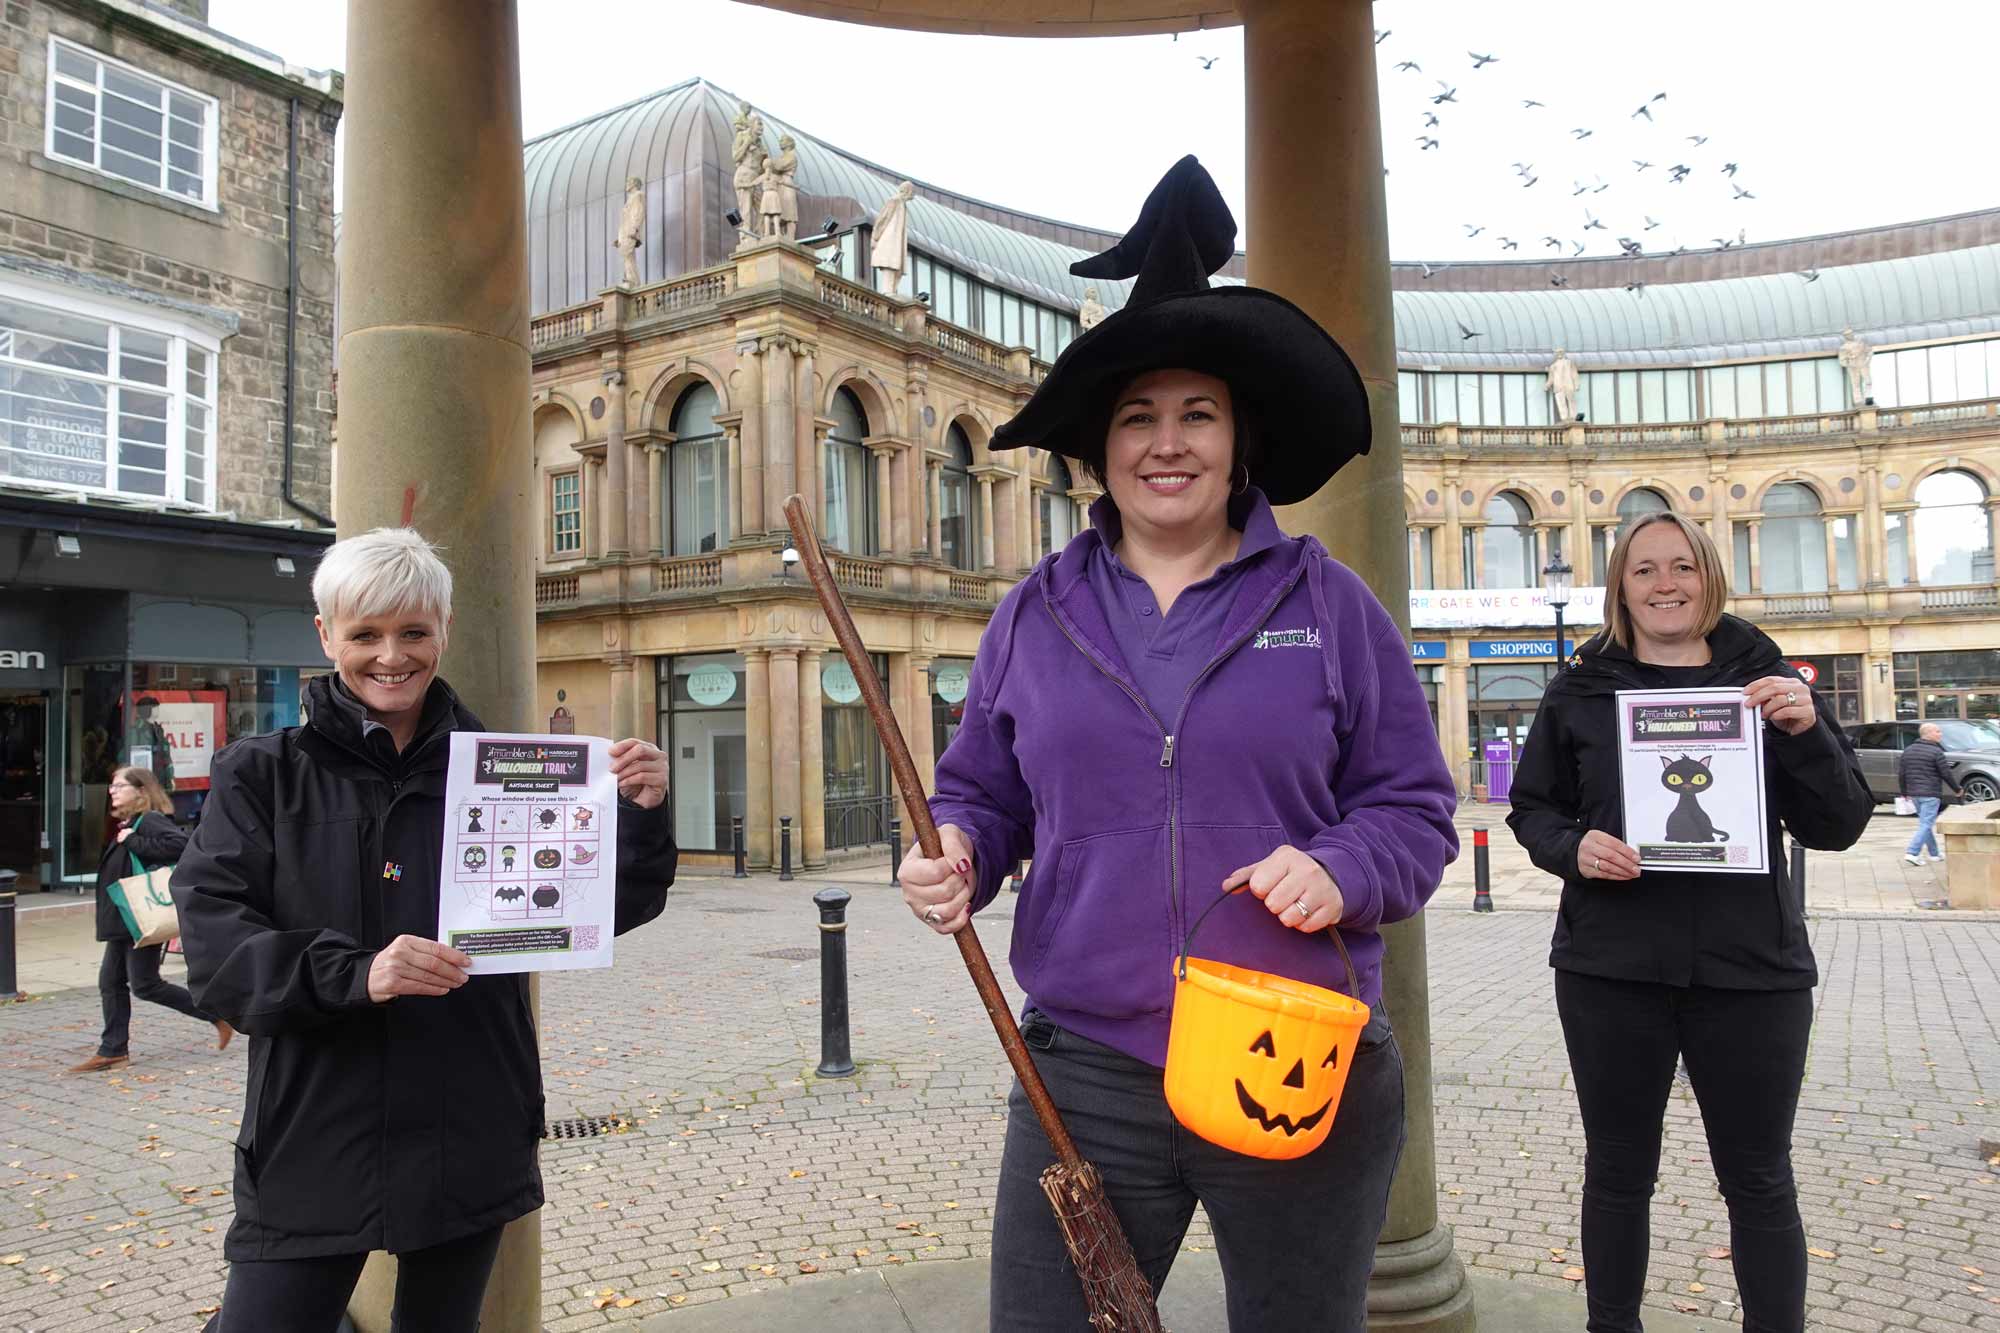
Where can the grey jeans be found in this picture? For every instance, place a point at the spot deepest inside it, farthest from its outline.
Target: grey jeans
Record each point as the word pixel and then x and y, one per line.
pixel 1296 1238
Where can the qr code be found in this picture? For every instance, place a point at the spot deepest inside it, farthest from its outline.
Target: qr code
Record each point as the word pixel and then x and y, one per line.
pixel 1739 856
pixel 583 939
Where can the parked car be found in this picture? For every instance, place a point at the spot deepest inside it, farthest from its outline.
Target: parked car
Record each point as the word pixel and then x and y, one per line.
pixel 1971 747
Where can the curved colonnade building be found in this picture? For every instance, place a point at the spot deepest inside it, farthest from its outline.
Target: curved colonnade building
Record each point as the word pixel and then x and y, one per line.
pixel 673 416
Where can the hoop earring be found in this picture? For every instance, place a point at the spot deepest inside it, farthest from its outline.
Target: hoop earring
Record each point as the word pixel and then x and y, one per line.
pixel 1244 485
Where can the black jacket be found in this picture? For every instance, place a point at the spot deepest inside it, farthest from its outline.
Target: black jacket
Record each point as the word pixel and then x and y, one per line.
pixel 1737 932
pixel 365 1126
pixel 157 841
pixel 1921 770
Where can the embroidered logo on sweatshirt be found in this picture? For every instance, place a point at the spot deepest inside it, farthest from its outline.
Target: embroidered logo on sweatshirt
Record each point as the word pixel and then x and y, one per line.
pixel 1287 638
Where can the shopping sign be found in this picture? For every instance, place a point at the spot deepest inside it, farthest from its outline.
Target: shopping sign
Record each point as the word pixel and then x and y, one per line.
pixel 189 723
pixel 1807 671
pixel 1500 608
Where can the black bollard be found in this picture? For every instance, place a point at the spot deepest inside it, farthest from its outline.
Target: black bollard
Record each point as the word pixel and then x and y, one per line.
pixel 1799 874
pixel 9 979
pixel 895 851
pixel 1482 873
pixel 784 847
pixel 836 1058
pixel 736 845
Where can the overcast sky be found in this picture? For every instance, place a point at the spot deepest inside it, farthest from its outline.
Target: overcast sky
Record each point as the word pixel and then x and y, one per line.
pixel 1838 114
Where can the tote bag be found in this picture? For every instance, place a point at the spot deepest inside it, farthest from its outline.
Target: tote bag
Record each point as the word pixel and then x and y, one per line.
pixel 1905 806
pixel 144 903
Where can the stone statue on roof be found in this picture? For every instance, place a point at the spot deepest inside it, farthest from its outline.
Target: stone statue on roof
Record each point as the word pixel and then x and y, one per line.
pixel 784 167
pixel 1563 382
pixel 770 198
pixel 1855 359
pixel 631 227
pixel 891 251
pixel 1092 312
pixel 748 151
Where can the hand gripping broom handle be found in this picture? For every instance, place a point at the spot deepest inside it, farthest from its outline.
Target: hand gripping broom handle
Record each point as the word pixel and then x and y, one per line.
pixel 920 818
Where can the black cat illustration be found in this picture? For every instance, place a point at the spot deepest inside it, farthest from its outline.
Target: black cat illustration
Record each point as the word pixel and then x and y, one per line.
pixel 1688 777
pixel 472 818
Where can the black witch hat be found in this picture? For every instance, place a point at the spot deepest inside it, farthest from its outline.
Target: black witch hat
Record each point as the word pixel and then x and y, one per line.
pixel 1293 381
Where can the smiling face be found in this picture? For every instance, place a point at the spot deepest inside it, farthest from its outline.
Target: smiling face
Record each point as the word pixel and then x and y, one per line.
pixel 388 661
pixel 1169 453
pixel 1662 586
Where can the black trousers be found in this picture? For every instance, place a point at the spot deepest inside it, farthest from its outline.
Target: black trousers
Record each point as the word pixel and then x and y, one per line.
pixel 1745 1053
pixel 140 968
pixel 438 1290
pixel 1296 1238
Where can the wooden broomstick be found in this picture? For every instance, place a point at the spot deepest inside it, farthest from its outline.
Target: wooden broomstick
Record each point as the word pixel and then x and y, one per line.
pixel 1119 1297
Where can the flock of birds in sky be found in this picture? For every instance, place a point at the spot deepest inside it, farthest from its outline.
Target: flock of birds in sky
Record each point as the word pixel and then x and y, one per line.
pixel 1608 198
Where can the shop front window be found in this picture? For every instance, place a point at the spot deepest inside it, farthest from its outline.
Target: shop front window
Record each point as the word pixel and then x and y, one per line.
pixel 1960 683
pixel 702 728
pixel 951 678
pixel 858 804
pixel 1839 681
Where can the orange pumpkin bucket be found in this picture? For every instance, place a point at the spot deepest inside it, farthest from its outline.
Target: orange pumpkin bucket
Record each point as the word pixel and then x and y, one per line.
pixel 1255 1062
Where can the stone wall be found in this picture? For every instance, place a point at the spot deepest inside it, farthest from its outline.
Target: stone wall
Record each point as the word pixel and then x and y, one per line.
pixel 233 257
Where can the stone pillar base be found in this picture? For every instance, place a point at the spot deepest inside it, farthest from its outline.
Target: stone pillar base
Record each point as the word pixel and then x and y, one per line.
pixel 1420 1284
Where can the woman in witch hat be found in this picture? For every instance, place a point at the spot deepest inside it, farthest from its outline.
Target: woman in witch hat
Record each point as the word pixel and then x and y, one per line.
pixel 1183 702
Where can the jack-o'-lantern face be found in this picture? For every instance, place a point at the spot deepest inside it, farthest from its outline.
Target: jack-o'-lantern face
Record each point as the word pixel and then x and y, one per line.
pixel 1285 1087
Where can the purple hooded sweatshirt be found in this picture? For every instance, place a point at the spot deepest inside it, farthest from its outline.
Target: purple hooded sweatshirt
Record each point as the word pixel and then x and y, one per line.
pixel 1307 728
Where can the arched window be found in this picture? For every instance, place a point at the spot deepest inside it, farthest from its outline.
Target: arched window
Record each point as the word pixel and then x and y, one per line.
pixel 1058 510
pixel 850 479
pixel 1634 504
pixel 1954 530
pixel 1792 543
pixel 958 522
pixel 1508 544
pixel 698 509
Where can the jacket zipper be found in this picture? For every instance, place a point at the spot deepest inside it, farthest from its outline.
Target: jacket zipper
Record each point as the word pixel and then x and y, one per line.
pixel 1177 891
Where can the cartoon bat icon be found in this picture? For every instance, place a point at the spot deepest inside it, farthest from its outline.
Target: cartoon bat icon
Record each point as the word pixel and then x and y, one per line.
pixel 508 895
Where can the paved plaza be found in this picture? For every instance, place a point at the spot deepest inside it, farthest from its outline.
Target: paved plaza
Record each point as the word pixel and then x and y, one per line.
pixel 739 1170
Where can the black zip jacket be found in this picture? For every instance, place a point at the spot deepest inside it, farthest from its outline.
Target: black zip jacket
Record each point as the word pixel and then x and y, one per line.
pixel 365 1126
pixel 1737 932
pixel 1922 770
pixel 157 841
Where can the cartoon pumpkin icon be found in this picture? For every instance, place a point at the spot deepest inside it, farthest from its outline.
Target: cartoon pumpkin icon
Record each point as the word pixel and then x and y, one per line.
pixel 547 858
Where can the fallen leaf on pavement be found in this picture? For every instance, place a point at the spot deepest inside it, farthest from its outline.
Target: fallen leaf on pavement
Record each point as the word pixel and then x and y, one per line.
pixel 626 1302
pixel 13 1259
pixel 1573 1274
pixel 1968 1268
pixel 1696 1288
pixel 806 1266
pixel 1685 1307
pixel 1818 1253
pixel 1719 1252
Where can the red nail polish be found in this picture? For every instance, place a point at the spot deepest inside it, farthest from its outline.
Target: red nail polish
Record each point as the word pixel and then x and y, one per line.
pixel 965 867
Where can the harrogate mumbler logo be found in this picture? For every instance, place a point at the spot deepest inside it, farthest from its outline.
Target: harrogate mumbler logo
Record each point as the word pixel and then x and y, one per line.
pixel 1287 638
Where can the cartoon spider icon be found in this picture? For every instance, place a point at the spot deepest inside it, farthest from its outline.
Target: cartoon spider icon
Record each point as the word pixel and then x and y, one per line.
pixel 547 818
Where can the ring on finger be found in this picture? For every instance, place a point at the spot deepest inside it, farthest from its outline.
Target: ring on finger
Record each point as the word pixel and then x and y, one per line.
pixel 1302 909
pixel 930 915
pixel 1597 864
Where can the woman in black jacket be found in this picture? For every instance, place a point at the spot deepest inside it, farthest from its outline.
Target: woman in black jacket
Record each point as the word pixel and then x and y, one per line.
pixel 147 839
pixel 394 1096
pixel 1712 968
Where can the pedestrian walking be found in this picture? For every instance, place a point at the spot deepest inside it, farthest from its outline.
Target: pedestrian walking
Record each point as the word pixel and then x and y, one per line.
pixel 145 838
pixel 394 1096
pixel 1713 969
pixel 1183 702
pixel 1923 775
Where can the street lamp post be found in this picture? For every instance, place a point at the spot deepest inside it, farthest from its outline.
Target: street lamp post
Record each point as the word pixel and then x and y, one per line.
pixel 1556 583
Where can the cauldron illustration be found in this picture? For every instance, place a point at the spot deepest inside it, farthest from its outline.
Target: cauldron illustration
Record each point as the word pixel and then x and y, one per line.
pixel 547 895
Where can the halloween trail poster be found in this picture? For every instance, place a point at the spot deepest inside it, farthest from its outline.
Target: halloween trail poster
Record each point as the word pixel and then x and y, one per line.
pixel 1691 774
pixel 530 852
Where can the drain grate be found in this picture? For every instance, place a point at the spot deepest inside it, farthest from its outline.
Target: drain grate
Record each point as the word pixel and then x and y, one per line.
pixel 586 1127
pixel 798 955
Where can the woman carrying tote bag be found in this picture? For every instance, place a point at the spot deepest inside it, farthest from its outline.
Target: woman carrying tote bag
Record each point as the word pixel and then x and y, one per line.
pixel 147 839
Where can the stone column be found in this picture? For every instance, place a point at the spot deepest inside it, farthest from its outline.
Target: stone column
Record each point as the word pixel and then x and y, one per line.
pixel 935 473
pixel 1579 529
pixel 1874 532
pixel 809 834
pixel 600 519
pixel 750 493
pixel 655 544
pixel 885 503
pixel 806 435
pixel 622 722
pixel 902 702
pixel 757 819
pixel 617 468
pixel 1756 557
pixel 1827 530
pixel 434 423
pixel 1323 241
pixel 1454 699
pixel 900 463
pixel 1452 572
pixel 780 443
pixel 986 522
pixel 1476 576
pixel 732 437
pixel 785 746
pixel 1034 528
pixel 587 502
pixel 923 749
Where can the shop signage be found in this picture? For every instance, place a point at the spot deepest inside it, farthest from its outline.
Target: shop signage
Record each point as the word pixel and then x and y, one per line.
pixel 22 659
pixel 837 679
pixel 1427 650
pixel 1807 671
pixel 1500 608
pixel 951 683
pixel 181 730
pixel 711 685
pixel 1509 650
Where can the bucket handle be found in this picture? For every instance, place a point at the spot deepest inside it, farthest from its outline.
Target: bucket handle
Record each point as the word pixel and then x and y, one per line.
pixel 1332 933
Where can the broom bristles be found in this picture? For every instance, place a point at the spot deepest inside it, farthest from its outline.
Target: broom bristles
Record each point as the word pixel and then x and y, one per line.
pixel 1118 1296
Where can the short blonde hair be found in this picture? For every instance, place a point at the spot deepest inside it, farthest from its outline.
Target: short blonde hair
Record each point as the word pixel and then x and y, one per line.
pixel 1707 562
pixel 379 573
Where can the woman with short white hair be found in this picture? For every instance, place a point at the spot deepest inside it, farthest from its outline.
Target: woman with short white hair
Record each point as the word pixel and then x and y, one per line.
pixel 394 1095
